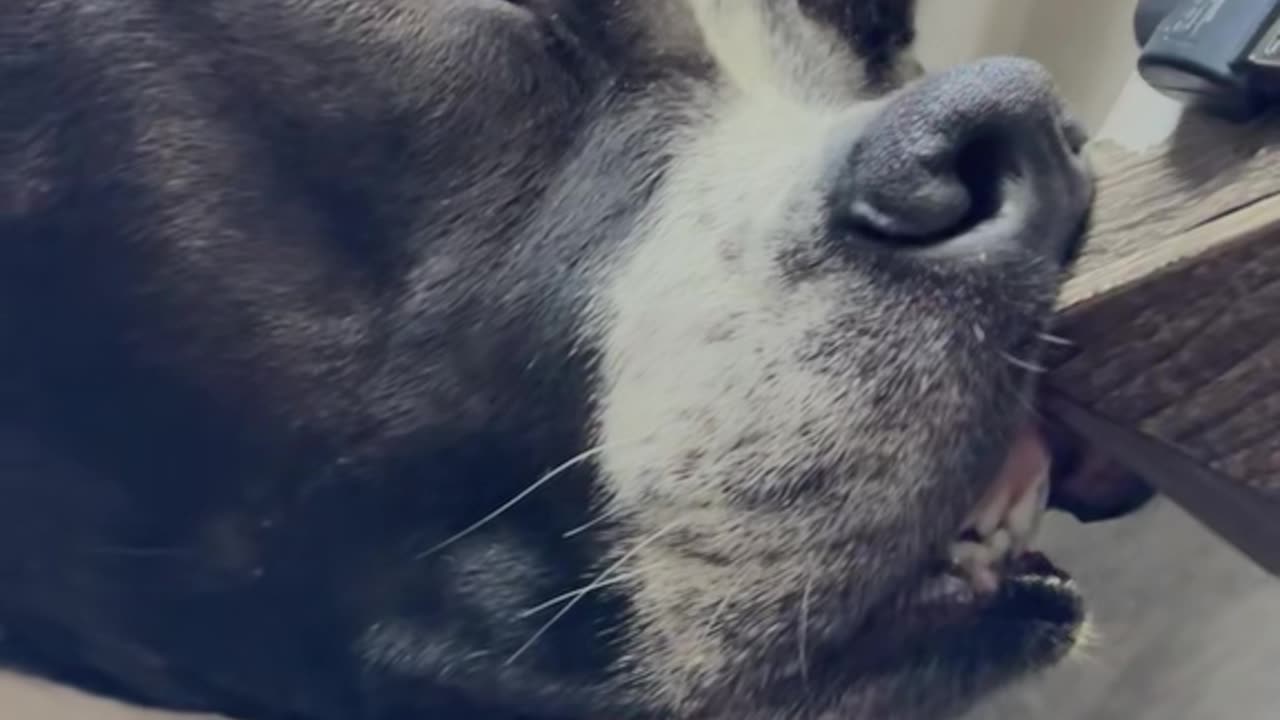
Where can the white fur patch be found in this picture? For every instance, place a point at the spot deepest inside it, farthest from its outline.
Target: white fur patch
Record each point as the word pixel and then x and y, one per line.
pixel 766 47
pixel 698 311
pixel 700 280
pixel 699 328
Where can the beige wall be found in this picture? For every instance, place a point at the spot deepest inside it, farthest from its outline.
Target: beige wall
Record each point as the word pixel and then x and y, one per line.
pixel 952 31
pixel 1087 44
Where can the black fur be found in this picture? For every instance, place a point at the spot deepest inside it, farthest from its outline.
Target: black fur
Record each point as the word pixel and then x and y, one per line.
pixel 279 316
pixel 878 30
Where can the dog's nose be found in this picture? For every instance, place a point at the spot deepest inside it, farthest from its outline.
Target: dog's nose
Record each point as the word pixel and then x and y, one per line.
pixel 978 155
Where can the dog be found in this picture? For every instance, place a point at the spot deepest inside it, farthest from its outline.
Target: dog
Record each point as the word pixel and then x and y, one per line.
pixel 553 359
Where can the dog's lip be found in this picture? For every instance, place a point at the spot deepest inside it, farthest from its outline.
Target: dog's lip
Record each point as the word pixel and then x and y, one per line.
pixel 1081 482
pixel 1033 588
pixel 1036 602
pixel 1021 583
pixel 1039 592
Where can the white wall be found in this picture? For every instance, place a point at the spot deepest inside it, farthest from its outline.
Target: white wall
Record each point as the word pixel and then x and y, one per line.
pixel 1087 44
pixel 953 31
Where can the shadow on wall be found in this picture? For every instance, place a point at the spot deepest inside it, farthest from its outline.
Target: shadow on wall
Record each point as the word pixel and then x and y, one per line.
pixel 1088 45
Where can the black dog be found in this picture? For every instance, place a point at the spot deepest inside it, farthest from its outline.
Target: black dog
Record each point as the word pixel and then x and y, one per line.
pixel 370 359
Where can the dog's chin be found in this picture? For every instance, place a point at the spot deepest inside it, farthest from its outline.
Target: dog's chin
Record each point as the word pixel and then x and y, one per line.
pixel 989 607
pixel 1032 618
pixel 945 647
pixel 940 647
pixel 969 623
pixel 985 609
pixel 952 645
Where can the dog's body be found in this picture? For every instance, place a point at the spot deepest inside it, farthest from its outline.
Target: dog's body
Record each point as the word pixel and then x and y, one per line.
pixel 296 294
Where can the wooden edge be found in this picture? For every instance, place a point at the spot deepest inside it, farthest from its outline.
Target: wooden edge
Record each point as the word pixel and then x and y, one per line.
pixel 1210 185
pixel 1245 519
pixel 1083 291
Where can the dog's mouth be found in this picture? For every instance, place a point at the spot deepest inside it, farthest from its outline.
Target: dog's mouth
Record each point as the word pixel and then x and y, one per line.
pixel 991 568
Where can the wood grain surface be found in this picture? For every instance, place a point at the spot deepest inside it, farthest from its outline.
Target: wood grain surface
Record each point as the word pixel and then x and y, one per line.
pixel 1175 305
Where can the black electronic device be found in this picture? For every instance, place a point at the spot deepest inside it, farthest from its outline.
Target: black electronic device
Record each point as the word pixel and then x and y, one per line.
pixel 1222 55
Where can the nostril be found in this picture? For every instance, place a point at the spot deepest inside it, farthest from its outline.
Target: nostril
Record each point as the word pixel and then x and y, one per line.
pixel 952 199
pixel 958 150
pixel 892 196
pixel 984 167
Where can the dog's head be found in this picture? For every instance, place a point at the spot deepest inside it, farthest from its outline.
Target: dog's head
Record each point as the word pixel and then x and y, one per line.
pixel 801 291
pixel 691 371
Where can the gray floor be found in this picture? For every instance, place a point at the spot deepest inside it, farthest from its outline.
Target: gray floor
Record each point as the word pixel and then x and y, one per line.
pixel 1186 629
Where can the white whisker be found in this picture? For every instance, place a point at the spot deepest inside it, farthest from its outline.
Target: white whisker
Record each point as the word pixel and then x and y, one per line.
pixel 580 594
pixel 1024 364
pixel 603 517
pixel 1020 394
pixel 573 594
pixel 1056 340
pixel 568 465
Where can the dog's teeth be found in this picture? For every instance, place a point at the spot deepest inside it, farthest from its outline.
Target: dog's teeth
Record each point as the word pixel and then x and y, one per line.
pixel 1004 523
pixel 948 588
pixel 1023 519
pixel 976 561
pixel 999 544
pixel 966 553
pixel 987 517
